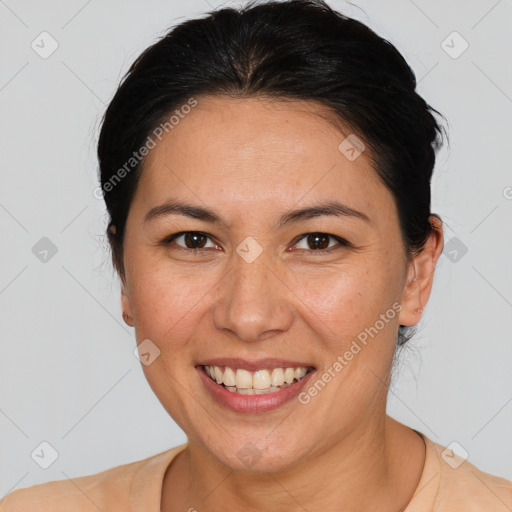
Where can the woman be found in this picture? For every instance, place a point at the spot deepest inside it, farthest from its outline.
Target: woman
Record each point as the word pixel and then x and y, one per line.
pixel 267 175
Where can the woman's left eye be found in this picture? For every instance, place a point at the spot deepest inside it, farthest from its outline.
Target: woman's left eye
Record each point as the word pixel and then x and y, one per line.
pixel 319 241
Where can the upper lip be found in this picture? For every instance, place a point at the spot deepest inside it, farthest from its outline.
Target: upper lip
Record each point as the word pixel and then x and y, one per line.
pixel 255 364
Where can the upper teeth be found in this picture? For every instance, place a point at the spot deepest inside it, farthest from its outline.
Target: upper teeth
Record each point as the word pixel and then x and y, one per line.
pixel 260 379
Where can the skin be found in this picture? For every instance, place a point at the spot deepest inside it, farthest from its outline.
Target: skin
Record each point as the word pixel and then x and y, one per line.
pixel 252 160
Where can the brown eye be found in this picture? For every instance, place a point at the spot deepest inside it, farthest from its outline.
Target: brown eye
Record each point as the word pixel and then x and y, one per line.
pixel 196 240
pixel 319 241
pixel 192 240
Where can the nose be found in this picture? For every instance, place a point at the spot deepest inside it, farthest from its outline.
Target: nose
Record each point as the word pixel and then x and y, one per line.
pixel 253 302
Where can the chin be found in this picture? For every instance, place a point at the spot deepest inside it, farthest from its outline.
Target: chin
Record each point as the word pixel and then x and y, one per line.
pixel 256 454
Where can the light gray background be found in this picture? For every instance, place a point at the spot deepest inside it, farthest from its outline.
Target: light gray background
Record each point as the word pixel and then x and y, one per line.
pixel 68 375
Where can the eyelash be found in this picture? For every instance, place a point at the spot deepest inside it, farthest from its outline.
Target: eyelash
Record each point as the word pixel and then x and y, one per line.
pixel 342 242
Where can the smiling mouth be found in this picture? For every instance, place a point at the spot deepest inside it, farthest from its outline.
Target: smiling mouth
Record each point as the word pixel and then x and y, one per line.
pixel 259 382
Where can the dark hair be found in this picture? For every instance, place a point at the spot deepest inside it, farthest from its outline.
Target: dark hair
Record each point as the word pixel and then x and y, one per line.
pixel 294 49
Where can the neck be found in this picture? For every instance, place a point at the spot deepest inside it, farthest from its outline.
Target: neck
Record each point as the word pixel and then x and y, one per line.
pixel 377 467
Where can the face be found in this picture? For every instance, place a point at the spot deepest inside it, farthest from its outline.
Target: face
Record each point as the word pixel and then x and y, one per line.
pixel 259 289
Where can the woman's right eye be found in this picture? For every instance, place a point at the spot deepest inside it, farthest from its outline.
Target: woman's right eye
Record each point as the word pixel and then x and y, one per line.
pixel 192 240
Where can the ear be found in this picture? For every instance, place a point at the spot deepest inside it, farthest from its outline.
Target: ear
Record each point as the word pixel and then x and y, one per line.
pixel 420 275
pixel 125 306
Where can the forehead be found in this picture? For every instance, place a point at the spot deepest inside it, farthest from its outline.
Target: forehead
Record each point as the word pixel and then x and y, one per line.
pixel 260 152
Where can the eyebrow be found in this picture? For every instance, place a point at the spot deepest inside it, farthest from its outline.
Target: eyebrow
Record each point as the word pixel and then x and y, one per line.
pixel 332 208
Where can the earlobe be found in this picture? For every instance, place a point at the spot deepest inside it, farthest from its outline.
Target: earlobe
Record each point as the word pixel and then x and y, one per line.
pixel 126 307
pixel 420 276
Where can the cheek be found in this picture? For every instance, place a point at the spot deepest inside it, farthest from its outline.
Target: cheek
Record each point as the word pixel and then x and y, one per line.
pixel 166 303
pixel 341 300
pixel 167 306
pixel 351 315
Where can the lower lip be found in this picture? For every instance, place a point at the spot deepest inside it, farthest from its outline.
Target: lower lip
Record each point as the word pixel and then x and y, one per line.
pixel 252 403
